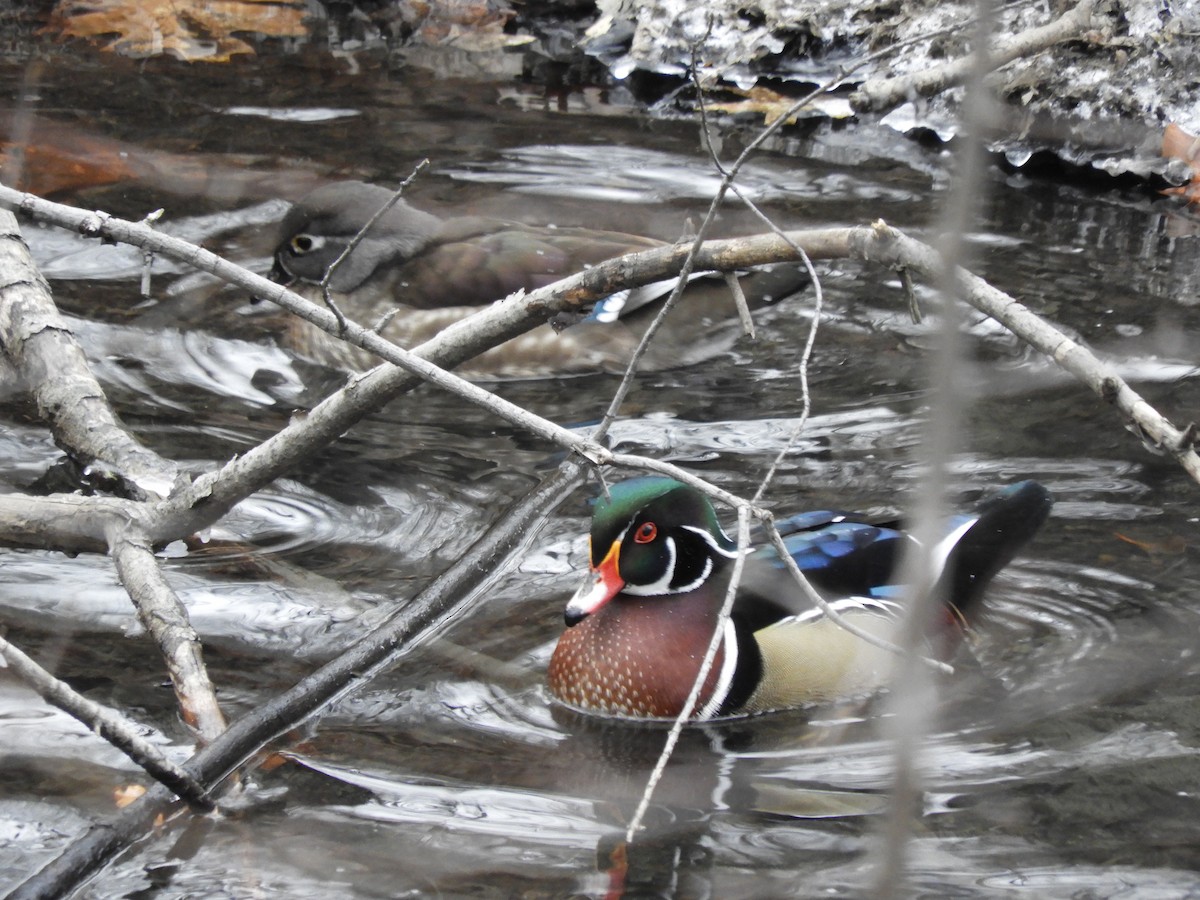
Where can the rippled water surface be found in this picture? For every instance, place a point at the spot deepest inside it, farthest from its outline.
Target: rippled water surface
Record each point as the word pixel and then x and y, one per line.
pixel 1064 759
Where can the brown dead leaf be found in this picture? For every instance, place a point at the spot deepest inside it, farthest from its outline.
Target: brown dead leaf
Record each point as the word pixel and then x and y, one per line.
pixel 472 25
pixel 773 105
pixel 1178 144
pixel 192 30
pixel 759 99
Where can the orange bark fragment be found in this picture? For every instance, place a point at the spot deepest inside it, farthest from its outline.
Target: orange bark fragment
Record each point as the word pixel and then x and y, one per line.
pixel 127 794
pixel 272 762
pixel 1171 546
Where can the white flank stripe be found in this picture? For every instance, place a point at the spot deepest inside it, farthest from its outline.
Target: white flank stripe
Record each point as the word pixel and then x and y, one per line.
pixel 725 679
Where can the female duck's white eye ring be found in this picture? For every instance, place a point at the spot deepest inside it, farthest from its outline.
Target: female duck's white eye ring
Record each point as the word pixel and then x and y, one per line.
pixel 646 532
pixel 305 243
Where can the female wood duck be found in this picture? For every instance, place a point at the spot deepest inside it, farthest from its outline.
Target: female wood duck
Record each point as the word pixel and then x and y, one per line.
pixel 436 271
pixel 638 629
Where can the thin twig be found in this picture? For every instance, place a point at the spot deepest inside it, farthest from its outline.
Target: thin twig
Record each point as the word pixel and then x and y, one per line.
pixel 739 301
pixel 358 239
pixel 689 265
pixel 805 356
pixel 706 664
pixel 728 177
pixel 627 378
pixel 719 628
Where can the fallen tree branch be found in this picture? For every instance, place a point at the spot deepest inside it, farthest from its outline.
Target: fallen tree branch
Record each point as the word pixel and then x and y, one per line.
pixel 446 599
pixel 880 94
pixel 49 361
pixel 243 738
pixel 108 724
pixel 891 247
pixel 195 506
pixel 164 616
pixel 50 364
pixel 70 523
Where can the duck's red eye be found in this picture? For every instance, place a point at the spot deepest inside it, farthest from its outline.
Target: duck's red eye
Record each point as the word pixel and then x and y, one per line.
pixel 646 532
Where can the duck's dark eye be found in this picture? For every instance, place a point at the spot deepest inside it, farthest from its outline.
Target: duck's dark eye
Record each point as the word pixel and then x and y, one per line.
pixel 303 243
pixel 646 532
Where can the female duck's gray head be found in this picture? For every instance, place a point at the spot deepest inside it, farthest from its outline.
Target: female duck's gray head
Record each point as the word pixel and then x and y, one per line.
pixel 318 229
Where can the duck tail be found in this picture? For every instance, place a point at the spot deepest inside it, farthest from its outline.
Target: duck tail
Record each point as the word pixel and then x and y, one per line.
pixel 986 542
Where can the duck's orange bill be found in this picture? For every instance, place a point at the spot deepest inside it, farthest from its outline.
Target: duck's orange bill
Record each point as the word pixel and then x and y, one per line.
pixel 605 583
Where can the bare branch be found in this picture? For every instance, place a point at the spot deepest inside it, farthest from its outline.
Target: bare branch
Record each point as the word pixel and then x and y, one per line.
pixel 52 366
pixel 912 695
pixel 213 494
pixel 891 247
pixel 47 357
pixel 108 724
pixel 164 616
pixel 67 522
pixel 885 93
pixel 446 599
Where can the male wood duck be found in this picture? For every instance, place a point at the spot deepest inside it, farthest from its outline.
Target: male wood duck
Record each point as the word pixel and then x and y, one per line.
pixel 638 629
pixel 436 271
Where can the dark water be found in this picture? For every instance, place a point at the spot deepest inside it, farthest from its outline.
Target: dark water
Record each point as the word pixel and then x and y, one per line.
pixel 1063 765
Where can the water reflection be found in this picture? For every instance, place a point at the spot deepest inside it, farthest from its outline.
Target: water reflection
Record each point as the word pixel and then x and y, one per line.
pixel 591 779
pixel 637 175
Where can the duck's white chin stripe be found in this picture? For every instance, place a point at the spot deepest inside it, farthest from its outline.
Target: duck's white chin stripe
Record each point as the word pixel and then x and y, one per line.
pixel 663 585
pixel 691 586
pixel 725 678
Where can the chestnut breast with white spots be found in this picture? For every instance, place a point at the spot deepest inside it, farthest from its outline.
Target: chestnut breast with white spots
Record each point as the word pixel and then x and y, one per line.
pixel 636 657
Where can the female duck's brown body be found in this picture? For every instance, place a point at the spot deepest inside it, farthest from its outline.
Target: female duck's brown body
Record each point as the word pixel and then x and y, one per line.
pixel 432 272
